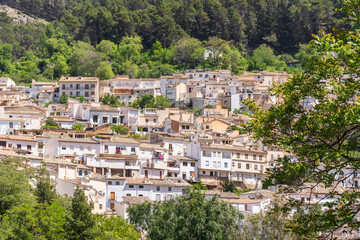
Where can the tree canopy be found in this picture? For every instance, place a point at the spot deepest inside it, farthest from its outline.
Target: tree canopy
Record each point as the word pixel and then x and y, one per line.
pixel 317 121
pixel 190 216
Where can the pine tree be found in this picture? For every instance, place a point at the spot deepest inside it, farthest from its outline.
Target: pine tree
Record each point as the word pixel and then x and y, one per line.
pixel 81 222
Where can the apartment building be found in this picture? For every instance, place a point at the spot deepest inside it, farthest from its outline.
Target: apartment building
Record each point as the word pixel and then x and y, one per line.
pixel 87 87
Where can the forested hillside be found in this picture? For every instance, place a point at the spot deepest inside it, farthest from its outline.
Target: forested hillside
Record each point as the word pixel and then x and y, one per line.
pixel 148 38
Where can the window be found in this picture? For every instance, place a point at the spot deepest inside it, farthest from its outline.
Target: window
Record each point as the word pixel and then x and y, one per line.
pixel 105 119
pixel 154 120
pixel 169 189
pixel 225 165
pixel 260 157
pixel 112 195
pixel 185 164
pixel 255 166
pixel 117 183
pixel 100 206
pixel 89 148
pixel 219 164
pixel 11 125
pixel 140 195
pixel 254 157
pixel 193 164
pixel 9 145
pixel 131 186
pixel 246 156
pixel 233 164
pixel 29 147
pixel 112 206
pixel 214 164
pixel 158 189
pixel 114 120
pixel 170 147
pixel 132 150
pixel 141 186
pixel 129 194
pixel 247 166
pixel 238 155
pixel 40 145
pixel 92 85
pixel 95 119
pixel 207 126
pixel 86 86
pixel 63 148
pixel 110 183
pixel 207 163
pixel 239 165
pixel 204 172
pixel 18 145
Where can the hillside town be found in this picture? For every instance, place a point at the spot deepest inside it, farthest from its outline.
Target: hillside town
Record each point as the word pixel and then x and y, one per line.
pixel 161 152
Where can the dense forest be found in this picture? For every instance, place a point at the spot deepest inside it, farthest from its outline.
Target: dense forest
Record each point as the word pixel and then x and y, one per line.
pixel 148 38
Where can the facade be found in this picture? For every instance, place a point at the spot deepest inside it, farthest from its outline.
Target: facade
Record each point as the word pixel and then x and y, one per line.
pixel 87 87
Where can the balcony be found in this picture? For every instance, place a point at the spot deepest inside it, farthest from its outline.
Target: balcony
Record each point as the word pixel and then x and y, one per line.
pixel 158 156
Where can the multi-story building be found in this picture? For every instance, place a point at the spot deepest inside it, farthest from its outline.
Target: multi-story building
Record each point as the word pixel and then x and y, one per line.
pixel 87 87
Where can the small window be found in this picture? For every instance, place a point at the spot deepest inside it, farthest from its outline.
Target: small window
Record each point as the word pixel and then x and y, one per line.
pixel 225 165
pixel 131 186
pixel 185 164
pixel 110 183
pixel 18 145
pixel 140 195
pixel 29 147
pixel 89 148
pixel 100 206
pixel 246 156
pixel 255 166
pixel 247 166
pixel 141 186
pixel 193 164
pixel 207 163
pixel 204 172
pixel 239 165
pixel 158 189
pixel 254 157
pixel 117 183
pixel 128 194
pixel 169 189
pixel 63 148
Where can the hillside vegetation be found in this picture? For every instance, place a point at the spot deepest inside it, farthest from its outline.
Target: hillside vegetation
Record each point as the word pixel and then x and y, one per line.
pixel 148 38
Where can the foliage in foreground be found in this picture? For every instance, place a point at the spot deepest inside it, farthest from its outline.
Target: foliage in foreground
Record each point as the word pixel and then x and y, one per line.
pixel 41 213
pixel 318 122
pixel 189 216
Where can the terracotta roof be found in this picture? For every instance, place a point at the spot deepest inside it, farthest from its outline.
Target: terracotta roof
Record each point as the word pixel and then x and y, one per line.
pixel 78 140
pixel 58 161
pixel 80 79
pixel 152 146
pixel 19 138
pixel 228 195
pixel 131 200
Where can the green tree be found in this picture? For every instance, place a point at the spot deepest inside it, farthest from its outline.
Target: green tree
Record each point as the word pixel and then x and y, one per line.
pixel 81 222
pixel 78 127
pixel 190 216
pixel 146 101
pixel 34 221
pixel 105 71
pixel 45 190
pixel 63 99
pixel 263 58
pixel 50 123
pixel 110 100
pixel 162 102
pixel 14 181
pixel 317 121
pixel 119 129
pixel 115 228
